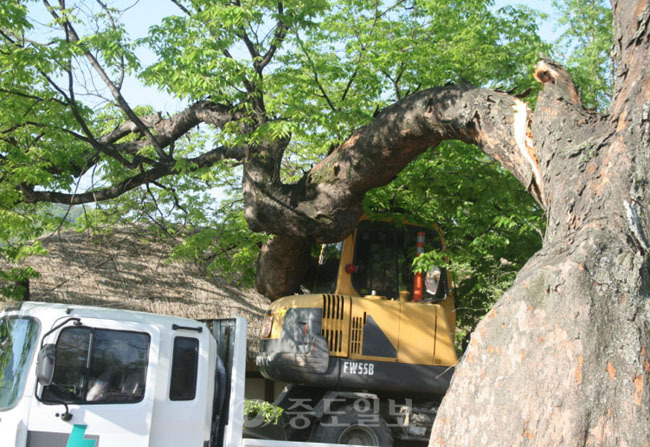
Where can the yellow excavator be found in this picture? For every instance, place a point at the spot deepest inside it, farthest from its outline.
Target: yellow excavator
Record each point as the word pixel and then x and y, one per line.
pixel 369 352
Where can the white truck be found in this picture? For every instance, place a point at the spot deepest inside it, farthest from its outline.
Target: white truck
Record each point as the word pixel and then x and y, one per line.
pixel 77 376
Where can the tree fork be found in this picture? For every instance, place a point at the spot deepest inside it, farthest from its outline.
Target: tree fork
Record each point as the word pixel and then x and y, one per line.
pixel 326 204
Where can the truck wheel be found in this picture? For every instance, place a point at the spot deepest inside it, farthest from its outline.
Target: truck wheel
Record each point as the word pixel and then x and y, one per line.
pixel 349 427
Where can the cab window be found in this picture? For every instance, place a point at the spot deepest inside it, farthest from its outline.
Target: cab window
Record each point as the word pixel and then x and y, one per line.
pixel 383 257
pixel 185 363
pixel 98 366
pixel 327 268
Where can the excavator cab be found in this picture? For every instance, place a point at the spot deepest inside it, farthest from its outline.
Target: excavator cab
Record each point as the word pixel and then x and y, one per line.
pixel 376 260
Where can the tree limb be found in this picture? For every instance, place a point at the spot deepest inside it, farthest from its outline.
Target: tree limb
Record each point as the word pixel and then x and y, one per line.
pixel 143 178
pixel 109 15
pixel 34 97
pixel 70 31
pixel 168 130
pixel 278 36
pixel 181 7
pixel 496 122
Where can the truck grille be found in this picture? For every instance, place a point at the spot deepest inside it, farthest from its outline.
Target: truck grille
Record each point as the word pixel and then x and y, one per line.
pixel 335 310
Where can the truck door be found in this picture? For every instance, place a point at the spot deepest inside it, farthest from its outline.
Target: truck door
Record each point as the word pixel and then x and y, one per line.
pixel 102 390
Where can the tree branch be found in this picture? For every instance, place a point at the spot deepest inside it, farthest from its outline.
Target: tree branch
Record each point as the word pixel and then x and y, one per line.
pixel 324 94
pixel 171 129
pixel 168 130
pixel 36 98
pixel 105 149
pixel 496 122
pixel 143 178
pixel 278 36
pixel 117 95
pixel 109 15
pixel 181 7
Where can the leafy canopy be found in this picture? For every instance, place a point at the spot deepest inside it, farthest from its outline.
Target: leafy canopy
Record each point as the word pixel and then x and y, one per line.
pixel 309 72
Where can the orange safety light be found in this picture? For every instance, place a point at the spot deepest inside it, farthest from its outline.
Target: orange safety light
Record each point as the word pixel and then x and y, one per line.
pixel 418 278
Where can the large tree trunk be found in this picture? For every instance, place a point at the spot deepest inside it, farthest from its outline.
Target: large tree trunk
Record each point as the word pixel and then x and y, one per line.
pixel 562 359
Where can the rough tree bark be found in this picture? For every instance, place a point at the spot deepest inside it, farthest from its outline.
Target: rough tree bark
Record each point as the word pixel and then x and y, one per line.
pixel 562 359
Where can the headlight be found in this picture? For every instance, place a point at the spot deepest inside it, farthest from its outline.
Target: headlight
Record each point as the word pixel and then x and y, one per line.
pixel 267 326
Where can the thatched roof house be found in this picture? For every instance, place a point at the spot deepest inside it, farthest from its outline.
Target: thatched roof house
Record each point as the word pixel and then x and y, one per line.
pixel 128 270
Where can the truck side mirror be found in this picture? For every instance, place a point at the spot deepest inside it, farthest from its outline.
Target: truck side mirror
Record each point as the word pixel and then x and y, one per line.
pixel 45 364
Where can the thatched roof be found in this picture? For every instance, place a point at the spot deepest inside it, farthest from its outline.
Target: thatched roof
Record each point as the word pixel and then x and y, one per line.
pixel 127 270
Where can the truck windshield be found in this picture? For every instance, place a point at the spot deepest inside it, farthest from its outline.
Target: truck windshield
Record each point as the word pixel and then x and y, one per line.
pixel 98 366
pixel 18 338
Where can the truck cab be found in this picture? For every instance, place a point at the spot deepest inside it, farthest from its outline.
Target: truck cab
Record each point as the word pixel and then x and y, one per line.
pixel 75 376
